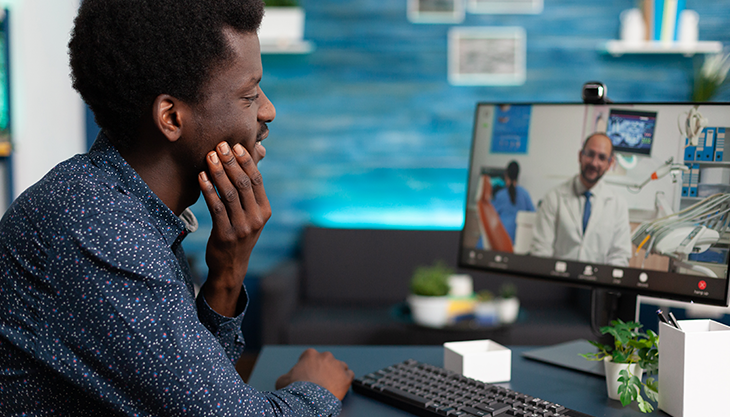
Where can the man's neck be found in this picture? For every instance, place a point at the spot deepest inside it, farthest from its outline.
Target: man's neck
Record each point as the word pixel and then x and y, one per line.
pixel 587 185
pixel 159 171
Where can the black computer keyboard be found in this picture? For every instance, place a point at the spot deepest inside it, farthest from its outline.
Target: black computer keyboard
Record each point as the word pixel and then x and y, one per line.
pixel 427 390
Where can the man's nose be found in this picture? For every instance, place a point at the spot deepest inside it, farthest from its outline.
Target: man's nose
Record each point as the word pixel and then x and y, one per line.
pixel 267 111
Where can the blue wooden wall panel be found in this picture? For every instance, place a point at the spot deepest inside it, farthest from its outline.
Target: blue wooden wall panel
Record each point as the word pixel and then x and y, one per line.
pixel 370 134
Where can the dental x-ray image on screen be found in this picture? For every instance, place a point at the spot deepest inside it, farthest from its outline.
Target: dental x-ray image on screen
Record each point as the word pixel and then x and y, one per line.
pixel 631 131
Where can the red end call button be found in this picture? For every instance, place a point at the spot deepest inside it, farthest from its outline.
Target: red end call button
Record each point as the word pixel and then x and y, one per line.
pixel 702 285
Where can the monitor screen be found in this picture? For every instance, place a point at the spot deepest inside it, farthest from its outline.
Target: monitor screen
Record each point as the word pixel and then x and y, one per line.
pixel 657 226
pixel 631 131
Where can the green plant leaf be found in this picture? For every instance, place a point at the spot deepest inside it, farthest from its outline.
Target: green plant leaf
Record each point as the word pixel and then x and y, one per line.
pixel 651 389
pixel 606 349
pixel 629 388
pixel 432 281
pixel 627 394
pixel 644 406
pixel 620 357
pixel 280 3
pixel 593 356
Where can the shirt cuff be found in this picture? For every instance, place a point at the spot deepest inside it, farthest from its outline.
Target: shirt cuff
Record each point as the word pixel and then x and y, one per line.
pixel 226 329
pixel 315 395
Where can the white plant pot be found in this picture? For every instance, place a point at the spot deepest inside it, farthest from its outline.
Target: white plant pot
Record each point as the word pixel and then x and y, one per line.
pixel 509 309
pixel 429 311
pixel 612 374
pixel 282 26
pixel 487 313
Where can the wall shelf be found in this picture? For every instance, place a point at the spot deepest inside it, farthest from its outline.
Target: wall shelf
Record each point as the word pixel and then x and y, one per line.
pixel 288 47
pixel 618 48
pixel 725 164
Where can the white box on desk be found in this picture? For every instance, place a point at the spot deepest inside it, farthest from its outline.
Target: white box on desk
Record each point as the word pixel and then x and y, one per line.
pixel 694 368
pixel 484 360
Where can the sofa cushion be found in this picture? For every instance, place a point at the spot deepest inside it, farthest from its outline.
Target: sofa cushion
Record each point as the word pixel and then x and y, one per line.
pixel 366 266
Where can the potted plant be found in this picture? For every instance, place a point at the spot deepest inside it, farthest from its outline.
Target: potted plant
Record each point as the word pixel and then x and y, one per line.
pixel 710 77
pixel 486 310
pixel 429 300
pixel 633 352
pixel 508 304
pixel 283 24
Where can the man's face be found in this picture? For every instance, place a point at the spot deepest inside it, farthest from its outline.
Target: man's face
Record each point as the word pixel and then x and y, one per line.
pixel 595 159
pixel 234 108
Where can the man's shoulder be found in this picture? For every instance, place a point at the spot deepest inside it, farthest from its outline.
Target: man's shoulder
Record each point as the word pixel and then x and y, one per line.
pixel 564 189
pixel 73 189
pixel 610 193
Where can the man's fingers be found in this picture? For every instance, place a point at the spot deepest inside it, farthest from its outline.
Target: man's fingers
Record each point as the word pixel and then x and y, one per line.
pixel 228 194
pixel 249 167
pixel 216 207
pixel 240 180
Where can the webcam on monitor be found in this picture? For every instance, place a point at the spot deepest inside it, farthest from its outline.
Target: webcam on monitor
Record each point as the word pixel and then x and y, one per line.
pixel 595 92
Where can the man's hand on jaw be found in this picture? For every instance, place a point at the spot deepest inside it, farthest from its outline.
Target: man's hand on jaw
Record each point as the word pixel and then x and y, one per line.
pixel 239 210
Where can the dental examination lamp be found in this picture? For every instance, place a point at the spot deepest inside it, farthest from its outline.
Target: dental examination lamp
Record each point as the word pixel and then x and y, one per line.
pixel 670 167
pixel 692 230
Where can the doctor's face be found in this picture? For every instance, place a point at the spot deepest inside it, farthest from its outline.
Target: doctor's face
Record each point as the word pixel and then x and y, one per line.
pixel 595 159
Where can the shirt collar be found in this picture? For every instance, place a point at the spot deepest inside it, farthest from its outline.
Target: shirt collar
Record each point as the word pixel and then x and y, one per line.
pixel 104 155
pixel 580 189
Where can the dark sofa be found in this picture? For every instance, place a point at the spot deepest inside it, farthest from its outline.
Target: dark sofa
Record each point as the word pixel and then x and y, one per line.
pixel 349 285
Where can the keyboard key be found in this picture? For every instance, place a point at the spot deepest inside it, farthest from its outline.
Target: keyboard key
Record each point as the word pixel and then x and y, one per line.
pixel 494 408
pixel 407 396
pixel 475 412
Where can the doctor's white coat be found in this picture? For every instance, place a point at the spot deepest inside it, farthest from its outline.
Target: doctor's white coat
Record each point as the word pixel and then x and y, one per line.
pixel 559 231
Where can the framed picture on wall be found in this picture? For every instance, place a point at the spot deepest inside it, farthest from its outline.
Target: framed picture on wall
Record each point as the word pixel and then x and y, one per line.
pixel 436 11
pixel 505 6
pixel 487 56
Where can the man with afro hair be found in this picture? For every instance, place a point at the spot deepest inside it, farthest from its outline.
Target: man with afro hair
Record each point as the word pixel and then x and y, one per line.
pixel 98 314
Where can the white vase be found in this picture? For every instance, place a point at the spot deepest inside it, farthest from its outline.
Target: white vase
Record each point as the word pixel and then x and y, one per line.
pixel 612 374
pixel 429 311
pixel 633 28
pixel 509 309
pixel 282 26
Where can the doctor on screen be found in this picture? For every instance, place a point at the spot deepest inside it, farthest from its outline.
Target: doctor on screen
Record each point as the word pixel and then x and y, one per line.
pixel 583 219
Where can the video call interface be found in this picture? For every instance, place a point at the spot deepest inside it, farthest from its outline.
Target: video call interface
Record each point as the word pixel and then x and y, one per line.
pixel 656 222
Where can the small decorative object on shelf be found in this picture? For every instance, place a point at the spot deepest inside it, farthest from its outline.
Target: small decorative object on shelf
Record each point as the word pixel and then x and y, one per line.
pixel 486 310
pixel 282 30
pixel 632 353
pixel 508 303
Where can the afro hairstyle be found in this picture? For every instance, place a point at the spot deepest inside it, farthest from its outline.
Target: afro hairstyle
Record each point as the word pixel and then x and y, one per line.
pixel 125 53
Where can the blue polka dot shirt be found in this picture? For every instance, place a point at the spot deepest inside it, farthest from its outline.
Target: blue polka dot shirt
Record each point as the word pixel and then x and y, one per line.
pixel 97 310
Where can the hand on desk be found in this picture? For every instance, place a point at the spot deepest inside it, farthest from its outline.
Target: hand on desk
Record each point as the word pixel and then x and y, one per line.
pixel 321 368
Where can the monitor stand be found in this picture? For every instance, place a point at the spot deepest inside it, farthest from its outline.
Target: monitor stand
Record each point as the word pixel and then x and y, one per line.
pixel 605 306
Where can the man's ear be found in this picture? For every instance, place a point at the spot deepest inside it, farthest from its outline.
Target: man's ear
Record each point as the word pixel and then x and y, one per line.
pixel 169 114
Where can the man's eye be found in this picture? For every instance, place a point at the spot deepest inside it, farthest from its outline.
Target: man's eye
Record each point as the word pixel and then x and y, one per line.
pixel 252 98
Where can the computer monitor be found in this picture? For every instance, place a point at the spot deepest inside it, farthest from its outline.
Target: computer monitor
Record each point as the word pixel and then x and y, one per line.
pixel 658 227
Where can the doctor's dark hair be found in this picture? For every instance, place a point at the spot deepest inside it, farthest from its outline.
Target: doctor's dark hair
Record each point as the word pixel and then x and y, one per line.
pixel 513 171
pixel 125 53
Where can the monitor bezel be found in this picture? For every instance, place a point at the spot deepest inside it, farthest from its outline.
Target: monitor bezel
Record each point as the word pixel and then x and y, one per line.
pixel 463 257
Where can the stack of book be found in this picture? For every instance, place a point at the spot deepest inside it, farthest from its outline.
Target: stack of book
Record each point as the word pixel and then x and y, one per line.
pixel 662 19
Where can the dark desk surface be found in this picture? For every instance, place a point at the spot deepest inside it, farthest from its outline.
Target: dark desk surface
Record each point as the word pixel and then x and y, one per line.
pixel 579 391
